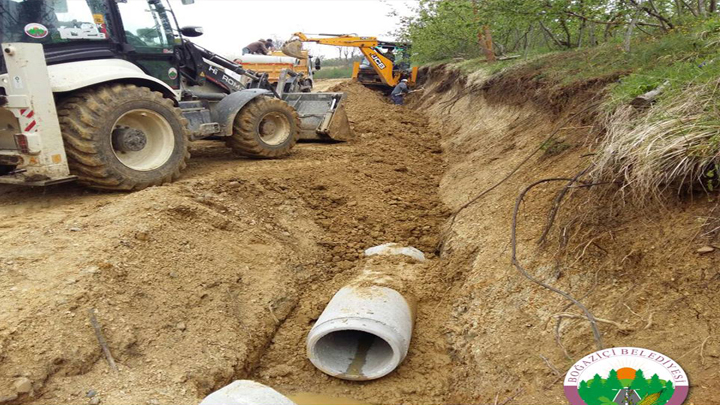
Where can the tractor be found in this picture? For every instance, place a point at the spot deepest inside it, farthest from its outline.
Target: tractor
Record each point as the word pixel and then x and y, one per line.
pixel 109 93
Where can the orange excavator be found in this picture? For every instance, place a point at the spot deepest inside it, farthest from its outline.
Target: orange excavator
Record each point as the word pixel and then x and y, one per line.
pixel 379 67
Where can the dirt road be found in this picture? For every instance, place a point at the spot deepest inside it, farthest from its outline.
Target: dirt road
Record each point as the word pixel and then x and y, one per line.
pixel 220 275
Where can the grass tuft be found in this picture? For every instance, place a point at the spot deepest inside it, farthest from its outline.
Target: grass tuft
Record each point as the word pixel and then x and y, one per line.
pixel 675 144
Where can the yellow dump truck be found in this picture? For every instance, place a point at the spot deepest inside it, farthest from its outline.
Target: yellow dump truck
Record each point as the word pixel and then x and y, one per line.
pixel 274 63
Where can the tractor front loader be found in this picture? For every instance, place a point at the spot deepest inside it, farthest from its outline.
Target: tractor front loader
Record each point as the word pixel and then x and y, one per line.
pixel 110 94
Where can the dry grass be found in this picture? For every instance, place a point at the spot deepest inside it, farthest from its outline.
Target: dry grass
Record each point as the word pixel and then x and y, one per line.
pixel 672 146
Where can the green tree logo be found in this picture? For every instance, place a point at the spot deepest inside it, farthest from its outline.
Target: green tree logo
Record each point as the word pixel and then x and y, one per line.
pixel 613 391
pixel 35 31
pixel 640 384
pixel 612 381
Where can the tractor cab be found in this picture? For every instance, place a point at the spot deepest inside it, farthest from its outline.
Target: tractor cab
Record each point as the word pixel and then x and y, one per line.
pixel 82 30
pixel 110 93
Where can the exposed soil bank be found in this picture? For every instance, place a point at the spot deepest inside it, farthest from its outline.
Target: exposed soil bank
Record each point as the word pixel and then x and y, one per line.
pixel 636 267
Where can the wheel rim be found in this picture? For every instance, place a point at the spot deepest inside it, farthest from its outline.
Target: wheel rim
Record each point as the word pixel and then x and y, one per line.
pixel 274 128
pixel 159 140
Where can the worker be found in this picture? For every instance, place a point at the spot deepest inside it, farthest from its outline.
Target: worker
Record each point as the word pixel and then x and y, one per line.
pixel 398 94
pixel 257 48
pixel 270 44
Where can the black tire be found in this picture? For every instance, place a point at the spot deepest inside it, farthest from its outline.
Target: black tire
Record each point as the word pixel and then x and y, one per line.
pixel 248 138
pixel 88 119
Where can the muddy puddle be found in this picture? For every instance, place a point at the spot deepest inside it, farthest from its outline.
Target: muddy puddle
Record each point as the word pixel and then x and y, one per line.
pixel 309 398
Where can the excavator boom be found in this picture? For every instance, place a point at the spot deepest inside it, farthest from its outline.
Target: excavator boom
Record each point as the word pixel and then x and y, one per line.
pixel 385 68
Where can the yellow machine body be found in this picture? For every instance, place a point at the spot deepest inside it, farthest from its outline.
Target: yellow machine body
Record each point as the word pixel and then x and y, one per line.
pixel 382 65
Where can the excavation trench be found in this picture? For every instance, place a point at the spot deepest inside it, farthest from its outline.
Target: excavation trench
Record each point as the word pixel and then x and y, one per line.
pixel 393 198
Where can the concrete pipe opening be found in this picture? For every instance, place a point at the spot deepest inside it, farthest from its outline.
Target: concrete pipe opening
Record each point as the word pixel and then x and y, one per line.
pixel 363 334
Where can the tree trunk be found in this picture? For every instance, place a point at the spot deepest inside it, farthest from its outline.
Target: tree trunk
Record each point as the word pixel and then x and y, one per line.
pixel 489 54
pixel 648 6
pixel 609 27
pixel 520 38
pixel 568 36
pixel 485 41
pixel 550 34
pixel 630 29
pixel 528 37
pixel 687 6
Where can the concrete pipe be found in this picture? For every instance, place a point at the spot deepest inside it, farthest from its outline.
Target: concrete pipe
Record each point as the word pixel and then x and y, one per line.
pixel 246 392
pixel 363 334
pixel 267 59
pixel 393 249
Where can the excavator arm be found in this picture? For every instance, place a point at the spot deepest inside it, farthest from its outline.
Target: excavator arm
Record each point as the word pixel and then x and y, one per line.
pixel 382 65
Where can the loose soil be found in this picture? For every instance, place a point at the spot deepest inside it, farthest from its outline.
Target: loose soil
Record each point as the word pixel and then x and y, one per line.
pixel 220 275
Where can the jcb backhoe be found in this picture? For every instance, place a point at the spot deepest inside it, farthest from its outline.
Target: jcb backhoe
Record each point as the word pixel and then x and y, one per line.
pixel 110 93
pixel 380 69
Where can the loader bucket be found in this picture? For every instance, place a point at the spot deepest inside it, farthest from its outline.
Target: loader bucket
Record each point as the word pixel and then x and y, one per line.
pixel 322 116
pixel 293 48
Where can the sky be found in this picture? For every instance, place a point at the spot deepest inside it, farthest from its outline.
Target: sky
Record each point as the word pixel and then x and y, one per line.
pixel 230 25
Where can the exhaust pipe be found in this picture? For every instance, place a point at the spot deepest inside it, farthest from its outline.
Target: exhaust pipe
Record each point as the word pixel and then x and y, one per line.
pixel 363 334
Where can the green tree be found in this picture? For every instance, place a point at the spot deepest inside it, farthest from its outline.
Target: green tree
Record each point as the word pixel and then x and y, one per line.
pixel 597 390
pixel 612 382
pixel 667 394
pixel 655 384
pixel 584 392
pixel 442 29
pixel 640 384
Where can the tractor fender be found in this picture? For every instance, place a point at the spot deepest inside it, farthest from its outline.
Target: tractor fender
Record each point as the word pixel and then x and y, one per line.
pixel 225 111
pixel 72 76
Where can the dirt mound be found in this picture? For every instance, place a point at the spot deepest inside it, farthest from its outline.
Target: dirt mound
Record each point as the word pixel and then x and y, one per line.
pixel 178 275
pixel 389 195
pixel 196 281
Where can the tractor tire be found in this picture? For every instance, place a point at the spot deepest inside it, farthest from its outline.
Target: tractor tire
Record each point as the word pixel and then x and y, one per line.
pixel 123 137
pixel 265 128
